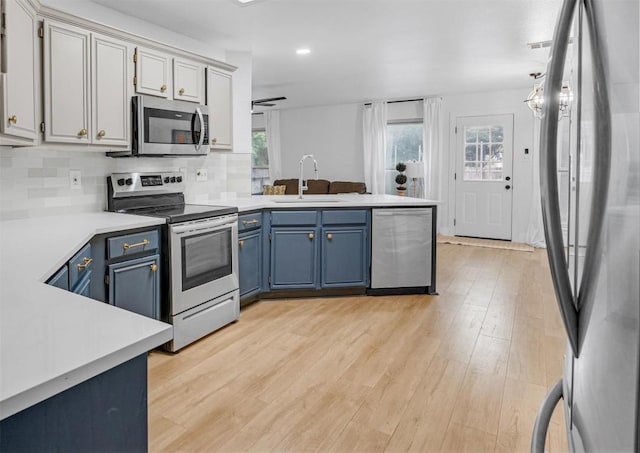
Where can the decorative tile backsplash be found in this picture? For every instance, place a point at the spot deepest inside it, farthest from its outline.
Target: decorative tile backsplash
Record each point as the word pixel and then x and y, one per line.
pixel 34 182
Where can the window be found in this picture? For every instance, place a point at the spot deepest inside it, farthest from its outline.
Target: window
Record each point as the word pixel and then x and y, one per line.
pixel 404 144
pixel 259 161
pixel 483 153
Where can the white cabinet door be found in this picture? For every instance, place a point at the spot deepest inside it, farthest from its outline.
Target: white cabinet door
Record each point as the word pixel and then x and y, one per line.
pixel 66 83
pixel 110 77
pixel 220 103
pixel 153 72
pixel 19 82
pixel 187 81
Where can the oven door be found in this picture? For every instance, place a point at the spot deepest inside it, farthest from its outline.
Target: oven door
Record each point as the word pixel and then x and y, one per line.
pixel 165 127
pixel 204 261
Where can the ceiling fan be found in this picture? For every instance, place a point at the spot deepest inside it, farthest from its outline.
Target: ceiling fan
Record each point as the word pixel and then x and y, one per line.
pixel 266 102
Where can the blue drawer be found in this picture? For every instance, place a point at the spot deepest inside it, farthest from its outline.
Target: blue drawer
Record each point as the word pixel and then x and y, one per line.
pixel 294 218
pixel 249 222
pixel 79 265
pixel 132 243
pixel 344 217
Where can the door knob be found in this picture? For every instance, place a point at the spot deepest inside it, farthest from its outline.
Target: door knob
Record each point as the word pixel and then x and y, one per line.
pixel 163 88
pixel 240 243
pixel 181 91
pixel 507 187
pixel 154 267
pixel 102 133
pixel 310 235
pixel 13 119
pixel 329 236
pixel 82 133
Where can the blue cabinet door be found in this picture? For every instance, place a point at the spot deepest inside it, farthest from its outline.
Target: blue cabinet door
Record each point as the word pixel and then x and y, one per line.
pixel 61 278
pixel 294 258
pixel 84 286
pixel 344 256
pixel 250 260
pixel 134 285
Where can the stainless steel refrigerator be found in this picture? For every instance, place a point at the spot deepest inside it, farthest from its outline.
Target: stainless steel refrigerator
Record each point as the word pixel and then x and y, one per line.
pixel 590 186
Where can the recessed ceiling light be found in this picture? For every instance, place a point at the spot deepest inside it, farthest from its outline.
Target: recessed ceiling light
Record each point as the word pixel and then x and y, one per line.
pixel 303 51
pixel 245 1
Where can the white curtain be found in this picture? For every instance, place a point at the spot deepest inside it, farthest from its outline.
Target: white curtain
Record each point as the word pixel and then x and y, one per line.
pixel 272 132
pixel 374 138
pixel 433 154
pixel 535 228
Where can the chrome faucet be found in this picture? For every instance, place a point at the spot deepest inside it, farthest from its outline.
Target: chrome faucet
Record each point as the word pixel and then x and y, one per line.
pixel 303 187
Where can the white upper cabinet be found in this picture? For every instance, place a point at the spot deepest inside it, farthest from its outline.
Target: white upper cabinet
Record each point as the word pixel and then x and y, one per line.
pixel 66 83
pixel 187 81
pixel 110 82
pixel 19 79
pixel 153 72
pixel 220 103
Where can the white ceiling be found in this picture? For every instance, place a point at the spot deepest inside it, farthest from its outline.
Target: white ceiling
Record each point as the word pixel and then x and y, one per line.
pixel 367 49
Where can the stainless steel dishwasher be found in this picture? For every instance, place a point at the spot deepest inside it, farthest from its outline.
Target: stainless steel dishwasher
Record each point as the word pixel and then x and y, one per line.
pixel 401 247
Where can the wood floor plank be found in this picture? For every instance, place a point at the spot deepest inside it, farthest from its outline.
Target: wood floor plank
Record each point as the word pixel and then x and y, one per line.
pixel 462 371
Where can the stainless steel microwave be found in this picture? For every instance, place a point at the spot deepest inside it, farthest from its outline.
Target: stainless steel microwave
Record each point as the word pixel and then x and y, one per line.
pixel 167 128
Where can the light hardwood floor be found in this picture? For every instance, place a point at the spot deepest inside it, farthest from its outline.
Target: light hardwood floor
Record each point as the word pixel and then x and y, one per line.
pixel 462 371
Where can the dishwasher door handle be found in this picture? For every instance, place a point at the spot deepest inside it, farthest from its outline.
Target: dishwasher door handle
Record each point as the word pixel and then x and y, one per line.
pixel 408 212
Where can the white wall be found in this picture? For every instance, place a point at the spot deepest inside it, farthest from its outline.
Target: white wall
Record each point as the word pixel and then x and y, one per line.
pixel 333 135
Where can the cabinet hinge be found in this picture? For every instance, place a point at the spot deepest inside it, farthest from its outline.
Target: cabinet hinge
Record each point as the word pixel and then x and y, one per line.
pixel 455 130
pixel 106 279
pixel 454 222
pixel 135 57
pixel 3 32
pixel 455 176
pixel 269 236
pixel 41 31
pixel 269 279
pixel 135 80
pixel 42 127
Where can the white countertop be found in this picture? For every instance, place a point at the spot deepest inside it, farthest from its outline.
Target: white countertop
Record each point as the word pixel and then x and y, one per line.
pixel 51 339
pixel 325 201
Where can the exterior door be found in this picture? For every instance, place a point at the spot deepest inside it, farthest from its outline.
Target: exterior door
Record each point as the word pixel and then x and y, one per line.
pixel 484 156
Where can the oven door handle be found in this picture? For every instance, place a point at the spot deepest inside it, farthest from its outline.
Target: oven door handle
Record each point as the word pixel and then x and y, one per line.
pixel 208 225
pixel 201 118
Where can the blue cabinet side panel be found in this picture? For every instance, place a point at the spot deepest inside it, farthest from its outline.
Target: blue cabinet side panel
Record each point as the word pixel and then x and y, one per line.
pixel 105 413
pixel 61 278
pixel 250 257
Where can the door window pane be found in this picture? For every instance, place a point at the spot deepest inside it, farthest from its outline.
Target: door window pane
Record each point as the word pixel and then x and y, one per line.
pixel 483 153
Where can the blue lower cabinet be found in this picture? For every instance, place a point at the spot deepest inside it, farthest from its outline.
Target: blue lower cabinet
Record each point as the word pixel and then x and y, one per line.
pixel 344 256
pixel 134 285
pixel 84 286
pixel 294 258
pixel 250 261
pixel 60 279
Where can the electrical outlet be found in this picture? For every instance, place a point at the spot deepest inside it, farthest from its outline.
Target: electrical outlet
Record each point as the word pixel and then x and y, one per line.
pixel 202 175
pixel 75 179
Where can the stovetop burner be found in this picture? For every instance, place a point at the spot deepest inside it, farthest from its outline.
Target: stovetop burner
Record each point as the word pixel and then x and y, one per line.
pixel 158 194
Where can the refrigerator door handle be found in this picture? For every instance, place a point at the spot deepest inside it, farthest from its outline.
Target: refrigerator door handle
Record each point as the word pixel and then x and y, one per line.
pixel 602 158
pixel 549 176
pixel 544 417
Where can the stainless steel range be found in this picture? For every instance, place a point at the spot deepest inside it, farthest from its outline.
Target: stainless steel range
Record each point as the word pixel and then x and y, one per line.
pixel 200 272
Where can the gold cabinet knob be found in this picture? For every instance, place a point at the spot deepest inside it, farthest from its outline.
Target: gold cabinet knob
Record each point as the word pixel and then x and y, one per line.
pixel 329 236
pixel 101 133
pixel 240 243
pixel 181 91
pixel 82 133
pixel 214 140
pixel 163 88
pixel 13 119
pixel 311 236
pixel 153 267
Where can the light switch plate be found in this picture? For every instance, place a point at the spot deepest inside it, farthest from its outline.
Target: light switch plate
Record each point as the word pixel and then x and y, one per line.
pixel 202 175
pixel 75 179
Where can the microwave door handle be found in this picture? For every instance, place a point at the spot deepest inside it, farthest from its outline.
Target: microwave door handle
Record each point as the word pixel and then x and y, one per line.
pixel 201 118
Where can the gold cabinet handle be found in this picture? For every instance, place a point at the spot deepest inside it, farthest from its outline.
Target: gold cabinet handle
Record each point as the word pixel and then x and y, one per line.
pixel 102 133
pixel 13 119
pixel 142 243
pixel 82 133
pixel 249 222
pixel 329 236
pixel 85 264
pixel 153 267
pixel 241 243
pixel 163 88
pixel 181 91
pixel 311 236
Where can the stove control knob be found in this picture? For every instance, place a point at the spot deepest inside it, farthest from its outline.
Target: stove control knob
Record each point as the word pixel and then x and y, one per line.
pixel 129 181
pixel 179 179
pixel 166 180
pixel 173 179
pixel 121 182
